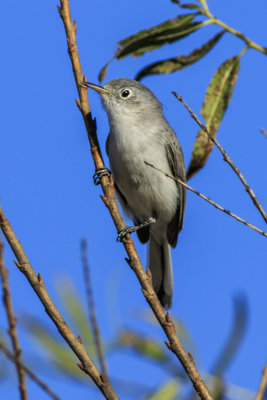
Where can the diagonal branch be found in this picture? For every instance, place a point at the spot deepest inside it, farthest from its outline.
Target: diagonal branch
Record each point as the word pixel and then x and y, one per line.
pixel 225 157
pixel 109 199
pixel 209 200
pixel 91 307
pixel 37 283
pixel 29 372
pixel 12 321
pixel 263 385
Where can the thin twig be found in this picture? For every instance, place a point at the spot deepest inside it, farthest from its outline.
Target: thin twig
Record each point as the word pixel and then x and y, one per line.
pixel 225 157
pixel 91 308
pixel 263 385
pixel 110 201
pixel 210 201
pixel 37 283
pixel 12 322
pixel 29 372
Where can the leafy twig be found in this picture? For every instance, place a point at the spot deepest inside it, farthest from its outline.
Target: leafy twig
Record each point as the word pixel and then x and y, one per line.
pixel 31 374
pixel 91 307
pixel 37 283
pixel 263 385
pixel 12 321
pixel 109 199
pixel 225 157
pixel 209 200
pixel 205 11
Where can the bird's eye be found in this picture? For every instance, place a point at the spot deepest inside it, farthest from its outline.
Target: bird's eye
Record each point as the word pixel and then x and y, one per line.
pixel 125 93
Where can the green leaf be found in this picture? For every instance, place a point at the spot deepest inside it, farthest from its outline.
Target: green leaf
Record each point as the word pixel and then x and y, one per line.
pixel 215 103
pixel 180 62
pixel 58 351
pixel 75 308
pixel 153 38
pixel 143 345
pixel 191 6
pixel 168 391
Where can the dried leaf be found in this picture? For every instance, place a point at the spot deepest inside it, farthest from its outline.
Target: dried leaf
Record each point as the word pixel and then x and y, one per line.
pixel 103 71
pixel 217 98
pixel 180 62
pixel 153 38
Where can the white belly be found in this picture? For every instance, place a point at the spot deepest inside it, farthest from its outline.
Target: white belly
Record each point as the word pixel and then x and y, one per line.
pixel 148 192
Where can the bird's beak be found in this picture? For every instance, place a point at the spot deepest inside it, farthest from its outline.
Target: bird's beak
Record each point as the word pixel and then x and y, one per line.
pixel 97 88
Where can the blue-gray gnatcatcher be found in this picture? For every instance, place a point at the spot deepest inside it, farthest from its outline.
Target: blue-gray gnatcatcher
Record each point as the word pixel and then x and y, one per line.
pixel 139 132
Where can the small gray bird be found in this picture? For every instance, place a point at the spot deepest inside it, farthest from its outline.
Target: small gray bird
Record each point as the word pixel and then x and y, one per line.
pixel 139 132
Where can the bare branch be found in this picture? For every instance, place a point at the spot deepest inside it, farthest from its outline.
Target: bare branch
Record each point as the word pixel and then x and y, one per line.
pixel 225 157
pixel 91 307
pixel 210 201
pixel 31 374
pixel 109 199
pixel 12 321
pixel 37 283
pixel 263 385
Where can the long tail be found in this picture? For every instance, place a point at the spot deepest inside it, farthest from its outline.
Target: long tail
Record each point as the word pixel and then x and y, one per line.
pixel 160 264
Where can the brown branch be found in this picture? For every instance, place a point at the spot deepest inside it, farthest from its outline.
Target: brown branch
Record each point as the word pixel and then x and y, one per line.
pixel 209 200
pixel 29 372
pixel 91 307
pixel 263 385
pixel 225 157
pixel 109 199
pixel 12 321
pixel 37 283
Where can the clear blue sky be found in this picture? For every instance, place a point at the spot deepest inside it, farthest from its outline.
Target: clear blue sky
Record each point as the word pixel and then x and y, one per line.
pixel 47 192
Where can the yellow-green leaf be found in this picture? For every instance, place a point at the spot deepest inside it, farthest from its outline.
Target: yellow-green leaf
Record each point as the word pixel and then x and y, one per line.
pixel 180 62
pixel 143 345
pixel 168 391
pixel 215 103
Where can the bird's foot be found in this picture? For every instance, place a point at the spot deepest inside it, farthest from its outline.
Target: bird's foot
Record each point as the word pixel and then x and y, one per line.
pixel 99 173
pixel 130 229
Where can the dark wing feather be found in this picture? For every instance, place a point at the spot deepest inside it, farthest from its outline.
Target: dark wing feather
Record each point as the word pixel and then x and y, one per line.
pixel 176 160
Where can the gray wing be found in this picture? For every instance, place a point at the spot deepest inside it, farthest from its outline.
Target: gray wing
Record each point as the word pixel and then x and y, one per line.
pixel 176 160
pixel 143 234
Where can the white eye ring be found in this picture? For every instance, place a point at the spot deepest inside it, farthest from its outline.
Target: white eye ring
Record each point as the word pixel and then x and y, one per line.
pixel 125 93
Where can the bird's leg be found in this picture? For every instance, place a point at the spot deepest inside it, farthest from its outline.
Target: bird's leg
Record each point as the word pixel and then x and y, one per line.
pixel 130 229
pixel 99 173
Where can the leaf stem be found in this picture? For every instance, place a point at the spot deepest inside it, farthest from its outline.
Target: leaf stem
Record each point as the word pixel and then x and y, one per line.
pixel 250 44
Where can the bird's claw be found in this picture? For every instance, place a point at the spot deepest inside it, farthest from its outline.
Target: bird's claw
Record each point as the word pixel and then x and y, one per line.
pixel 130 229
pixel 99 173
pixel 124 231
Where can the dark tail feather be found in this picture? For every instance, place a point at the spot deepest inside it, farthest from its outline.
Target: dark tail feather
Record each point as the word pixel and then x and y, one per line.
pixel 160 264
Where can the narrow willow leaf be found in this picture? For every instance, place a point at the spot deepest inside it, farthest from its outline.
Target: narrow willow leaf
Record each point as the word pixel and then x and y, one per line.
pixel 180 62
pixel 77 313
pixel 236 335
pixel 103 70
pixel 168 391
pixel 58 352
pixel 190 6
pixel 143 345
pixel 153 38
pixel 215 103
